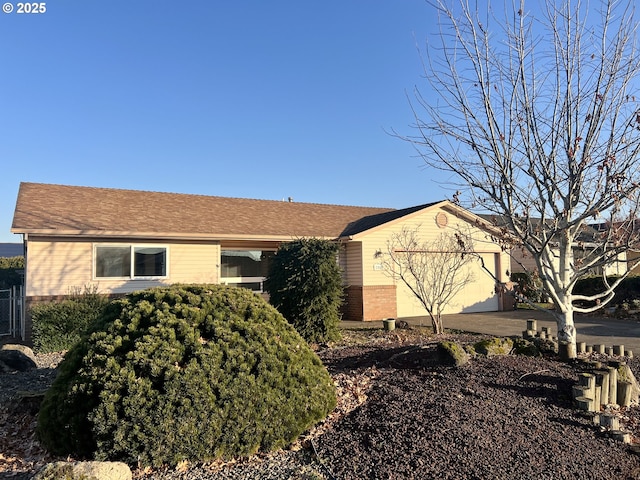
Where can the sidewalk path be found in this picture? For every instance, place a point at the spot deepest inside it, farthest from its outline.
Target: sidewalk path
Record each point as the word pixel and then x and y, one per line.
pixel 592 330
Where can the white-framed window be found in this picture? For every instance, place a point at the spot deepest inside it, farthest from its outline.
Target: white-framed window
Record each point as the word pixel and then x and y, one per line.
pixel 245 268
pixel 136 262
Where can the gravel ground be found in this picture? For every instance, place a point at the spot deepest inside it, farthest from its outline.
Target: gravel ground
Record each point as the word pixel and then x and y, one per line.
pixel 401 416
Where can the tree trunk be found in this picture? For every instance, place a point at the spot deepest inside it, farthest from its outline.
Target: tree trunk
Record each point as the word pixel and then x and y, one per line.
pixel 436 323
pixel 566 332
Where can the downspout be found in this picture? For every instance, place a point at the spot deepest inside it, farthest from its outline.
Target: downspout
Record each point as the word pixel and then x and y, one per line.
pixel 23 310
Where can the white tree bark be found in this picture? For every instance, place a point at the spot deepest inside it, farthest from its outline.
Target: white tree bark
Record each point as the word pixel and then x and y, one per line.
pixel 536 116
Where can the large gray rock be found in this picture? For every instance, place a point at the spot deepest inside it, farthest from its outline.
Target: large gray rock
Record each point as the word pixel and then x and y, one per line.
pixel 85 471
pixel 15 357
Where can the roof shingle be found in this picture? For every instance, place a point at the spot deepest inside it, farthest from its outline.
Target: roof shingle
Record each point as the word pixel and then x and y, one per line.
pixel 71 210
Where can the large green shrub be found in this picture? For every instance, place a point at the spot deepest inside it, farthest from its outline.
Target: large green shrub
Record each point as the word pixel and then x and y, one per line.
pixel 59 325
pixel 305 285
pixel 529 285
pixel 189 372
pixel 626 292
pixel 10 268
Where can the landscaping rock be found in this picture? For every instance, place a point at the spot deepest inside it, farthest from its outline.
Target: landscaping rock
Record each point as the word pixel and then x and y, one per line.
pixel 546 346
pixel 452 353
pixel 16 358
pixel 626 375
pixel 525 347
pixel 494 346
pixel 85 471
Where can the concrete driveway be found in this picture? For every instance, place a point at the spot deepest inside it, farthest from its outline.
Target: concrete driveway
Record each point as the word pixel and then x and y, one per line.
pixel 592 330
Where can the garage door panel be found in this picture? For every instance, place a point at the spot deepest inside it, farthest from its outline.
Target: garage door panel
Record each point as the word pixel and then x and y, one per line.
pixel 478 296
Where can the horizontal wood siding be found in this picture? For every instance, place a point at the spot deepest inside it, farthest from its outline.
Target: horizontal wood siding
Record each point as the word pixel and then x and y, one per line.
pixel 479 296
pixel 351 263
pixel 375 242
pixel 57 267
pixel 194 263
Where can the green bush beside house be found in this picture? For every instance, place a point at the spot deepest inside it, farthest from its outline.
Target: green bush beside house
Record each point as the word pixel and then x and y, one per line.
pixel 305 285
pixel 11 272
pixel 58 326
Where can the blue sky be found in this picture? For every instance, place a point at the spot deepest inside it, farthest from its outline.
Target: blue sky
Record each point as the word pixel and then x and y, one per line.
pixel 235 98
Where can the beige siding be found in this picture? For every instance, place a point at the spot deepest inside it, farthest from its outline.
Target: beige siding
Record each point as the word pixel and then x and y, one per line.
pixel 376 241
pixel 351 263
pixel 194 263
pixel 478 296
pixel 56 267
pixel 618 266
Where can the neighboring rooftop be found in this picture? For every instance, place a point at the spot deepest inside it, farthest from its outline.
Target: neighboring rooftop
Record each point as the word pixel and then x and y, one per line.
pixel 11 250
pixel 71 210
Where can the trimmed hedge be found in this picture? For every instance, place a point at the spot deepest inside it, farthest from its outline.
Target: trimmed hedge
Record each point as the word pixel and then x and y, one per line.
pixel 59 326
pixel 9 267
pixel 188 372
pixel 626 292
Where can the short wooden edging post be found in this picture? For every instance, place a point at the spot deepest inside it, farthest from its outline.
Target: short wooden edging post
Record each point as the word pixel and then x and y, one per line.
pixel 597 398
pixel 602 381
pixel 610 421
pixel 585 404
pixel 624 437
pixel 598 348
pixel 624 393
pixel 588 380
pixel 389 324
pixel 582 347
pixel 582 391
pixel 618 350
pixel 613 385
pixel 586 394
pixel 532 325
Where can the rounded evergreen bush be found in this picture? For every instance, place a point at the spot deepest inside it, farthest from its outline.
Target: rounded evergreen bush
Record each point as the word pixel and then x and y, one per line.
pixel 188 372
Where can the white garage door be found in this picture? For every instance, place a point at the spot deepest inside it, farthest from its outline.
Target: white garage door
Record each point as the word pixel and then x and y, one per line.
pixel 478 296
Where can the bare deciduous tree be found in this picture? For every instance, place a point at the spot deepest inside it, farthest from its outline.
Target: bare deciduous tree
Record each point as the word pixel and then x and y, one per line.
pixel 435 271
pixel 535 115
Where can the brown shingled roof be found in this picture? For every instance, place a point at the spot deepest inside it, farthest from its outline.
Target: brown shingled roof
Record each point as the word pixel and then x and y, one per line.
pixel 68 210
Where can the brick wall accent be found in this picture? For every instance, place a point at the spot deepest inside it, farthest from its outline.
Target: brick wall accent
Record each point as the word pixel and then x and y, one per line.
pixel 379 302
pixel 370 303
pixel 352 305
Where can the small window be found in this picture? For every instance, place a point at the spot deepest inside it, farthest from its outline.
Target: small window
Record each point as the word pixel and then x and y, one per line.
pixel 119 261
pixel 150 261
pixel 245 268
pixel 113 262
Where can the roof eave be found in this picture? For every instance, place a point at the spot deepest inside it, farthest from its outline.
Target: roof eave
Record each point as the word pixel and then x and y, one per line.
pixel 119 235
pixel 358 235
